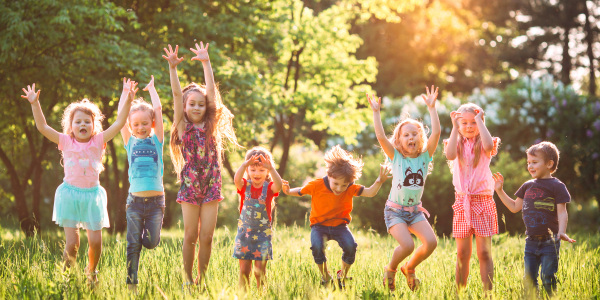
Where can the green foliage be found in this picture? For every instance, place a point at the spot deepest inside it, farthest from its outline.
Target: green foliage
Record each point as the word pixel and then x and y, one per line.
pixel 32 269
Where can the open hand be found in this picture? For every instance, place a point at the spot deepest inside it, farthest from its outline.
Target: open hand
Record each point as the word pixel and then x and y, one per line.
pixel 431 96
pixel 201 52
pixel 498 181
pixel 375 103
pixel 385 173
pixel 565 237
pixel 171 56
pixel 150 84
pixel 285 187
pixel 30 94
pixel 132 90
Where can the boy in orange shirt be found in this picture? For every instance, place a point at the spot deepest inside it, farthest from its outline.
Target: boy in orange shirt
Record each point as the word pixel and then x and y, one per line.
pixel 331 206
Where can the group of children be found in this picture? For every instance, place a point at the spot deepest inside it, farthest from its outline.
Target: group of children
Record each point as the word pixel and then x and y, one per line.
pixel 202 126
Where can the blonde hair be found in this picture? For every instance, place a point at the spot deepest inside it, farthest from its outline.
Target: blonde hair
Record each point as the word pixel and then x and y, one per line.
pixel 264 152
pixel 218 125
pixel 88 108
pixel 340 163
pixel 140 105
pixel 421 142
pixel 548 150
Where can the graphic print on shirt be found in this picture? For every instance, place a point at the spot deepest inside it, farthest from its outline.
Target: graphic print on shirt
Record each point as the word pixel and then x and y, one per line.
pixel 412 181
pixel 144 159
pixel 540 201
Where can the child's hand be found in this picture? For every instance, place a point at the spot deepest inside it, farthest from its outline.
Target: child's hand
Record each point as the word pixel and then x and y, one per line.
pixel 375 103
pixel 384 173
pixel 201 52
pixel 431 96
pixel 565 237
pixel 127 85
pixel 285 187
pixel 30 94
pixel 132 91
pixel 479 114
pixel 454 116
pixel 171 56
pixel 150 84
pixel 265 162
pixel 498 181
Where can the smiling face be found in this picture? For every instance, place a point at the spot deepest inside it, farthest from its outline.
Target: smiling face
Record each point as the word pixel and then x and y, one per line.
pixel 195 107
pixel 338 185
pixel 140 123
pixel 82 126
pixel 258 174
pixel 467 126
pixel 538 167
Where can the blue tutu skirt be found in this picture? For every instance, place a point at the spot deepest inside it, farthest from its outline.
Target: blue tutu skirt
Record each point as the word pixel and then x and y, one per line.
pixel 80 207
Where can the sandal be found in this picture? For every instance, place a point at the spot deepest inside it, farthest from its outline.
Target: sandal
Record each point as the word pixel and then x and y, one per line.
pixel 341 279
pixel 93 280
pixel 389 282
pixel 325 283
pixel 411 279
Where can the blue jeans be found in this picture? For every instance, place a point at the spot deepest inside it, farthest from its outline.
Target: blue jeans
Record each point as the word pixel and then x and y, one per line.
pixel 542 253
pixel 144 222
pixel 319 235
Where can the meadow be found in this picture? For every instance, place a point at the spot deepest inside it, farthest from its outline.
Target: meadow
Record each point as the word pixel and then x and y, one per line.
pixel 31 268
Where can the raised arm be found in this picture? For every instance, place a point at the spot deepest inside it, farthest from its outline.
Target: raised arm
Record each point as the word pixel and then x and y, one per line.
pixel 173 60
pixel 127 83
pixel 387 147
pixel 561 210
pixel 239 174
pixel 384 174
pixel 40 122
pixel 122 115
pixel 290 192
pixel 202 55
pixel 277 183
pixel 159 130
pixel 513 205
pixel 451 146
pixel 486 138
pixel 434 138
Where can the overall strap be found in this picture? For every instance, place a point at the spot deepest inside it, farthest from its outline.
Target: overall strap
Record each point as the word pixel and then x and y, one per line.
pixel 248 189
pixel 263 194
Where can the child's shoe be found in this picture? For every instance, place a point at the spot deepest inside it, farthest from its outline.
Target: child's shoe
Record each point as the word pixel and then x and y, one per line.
pixel 389 278
pixel 93 280
pixel 325 282
pixel 411 279
pixel 341 280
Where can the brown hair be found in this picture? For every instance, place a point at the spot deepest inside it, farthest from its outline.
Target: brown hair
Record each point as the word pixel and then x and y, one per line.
pixel 264 152
pixel 140 105
pixel 548 150
pixel 340 163
pixel 421 139
pixel 218 125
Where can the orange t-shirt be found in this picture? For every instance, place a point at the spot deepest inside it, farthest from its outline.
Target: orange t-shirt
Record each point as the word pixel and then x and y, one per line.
pixel 326 208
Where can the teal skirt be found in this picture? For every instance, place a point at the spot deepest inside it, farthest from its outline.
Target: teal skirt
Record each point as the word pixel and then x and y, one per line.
pixel 80 207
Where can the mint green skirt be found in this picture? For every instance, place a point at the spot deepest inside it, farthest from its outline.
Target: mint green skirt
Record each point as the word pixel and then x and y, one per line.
pixel 80 207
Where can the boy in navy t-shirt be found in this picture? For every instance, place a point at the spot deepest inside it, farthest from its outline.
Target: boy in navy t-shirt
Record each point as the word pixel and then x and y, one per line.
pixel 543 200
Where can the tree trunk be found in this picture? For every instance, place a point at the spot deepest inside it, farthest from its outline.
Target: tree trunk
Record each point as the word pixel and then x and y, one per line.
pixel 589 38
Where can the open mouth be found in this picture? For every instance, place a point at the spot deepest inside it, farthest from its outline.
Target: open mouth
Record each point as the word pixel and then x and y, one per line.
pixel 83 131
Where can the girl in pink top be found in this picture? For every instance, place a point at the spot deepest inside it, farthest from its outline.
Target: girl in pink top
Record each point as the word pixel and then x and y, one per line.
pixel 469 151
pixel 80 201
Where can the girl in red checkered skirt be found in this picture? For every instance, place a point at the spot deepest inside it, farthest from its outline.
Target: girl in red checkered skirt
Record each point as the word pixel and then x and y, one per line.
pixel 469 151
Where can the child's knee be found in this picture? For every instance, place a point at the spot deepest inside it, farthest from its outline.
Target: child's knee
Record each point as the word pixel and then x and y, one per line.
pixel 484 255
pixel 72 247
pixel 463 255
pixel 206 239
pixel 431 244
pixel 406 248
pixel 190 236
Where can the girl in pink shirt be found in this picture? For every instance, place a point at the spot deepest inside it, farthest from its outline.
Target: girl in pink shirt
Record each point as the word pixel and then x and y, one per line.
pixel 80 201
pixel 469 151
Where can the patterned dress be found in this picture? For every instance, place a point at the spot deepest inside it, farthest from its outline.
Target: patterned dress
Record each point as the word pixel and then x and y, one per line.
pixel 253 239
pixel 201 174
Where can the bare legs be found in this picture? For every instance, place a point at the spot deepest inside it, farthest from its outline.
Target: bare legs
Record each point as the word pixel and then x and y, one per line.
pixel 401 232
pixel 198 225
pixel 72 247
pixel 260 268
pixel 484 254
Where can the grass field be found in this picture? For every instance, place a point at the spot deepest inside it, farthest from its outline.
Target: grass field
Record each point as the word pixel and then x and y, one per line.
pixel 30 268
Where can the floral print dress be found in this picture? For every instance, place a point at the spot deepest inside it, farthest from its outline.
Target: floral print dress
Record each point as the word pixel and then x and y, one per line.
pixel 201 174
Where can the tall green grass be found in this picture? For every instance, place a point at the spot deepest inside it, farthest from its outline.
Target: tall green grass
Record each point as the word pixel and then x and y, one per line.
pixel 31 268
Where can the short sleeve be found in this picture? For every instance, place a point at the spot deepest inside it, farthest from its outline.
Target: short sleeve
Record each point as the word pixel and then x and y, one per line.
pixel 358 189
pixel 98 140
pixel 270 191
pixel 242 192
pixel 561 194
pixel 309 188
pixel 522 190
pixel 156 141
pixel 64 141
pixel 496 141
pixel 132 140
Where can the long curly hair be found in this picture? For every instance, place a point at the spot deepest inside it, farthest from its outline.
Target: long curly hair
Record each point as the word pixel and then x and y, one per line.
pixel 218 125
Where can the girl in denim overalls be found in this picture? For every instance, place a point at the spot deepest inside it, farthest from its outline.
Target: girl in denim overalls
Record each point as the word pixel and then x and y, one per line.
pixel 253 239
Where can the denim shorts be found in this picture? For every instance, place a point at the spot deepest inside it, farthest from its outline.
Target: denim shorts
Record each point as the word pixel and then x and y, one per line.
pixel 395 216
